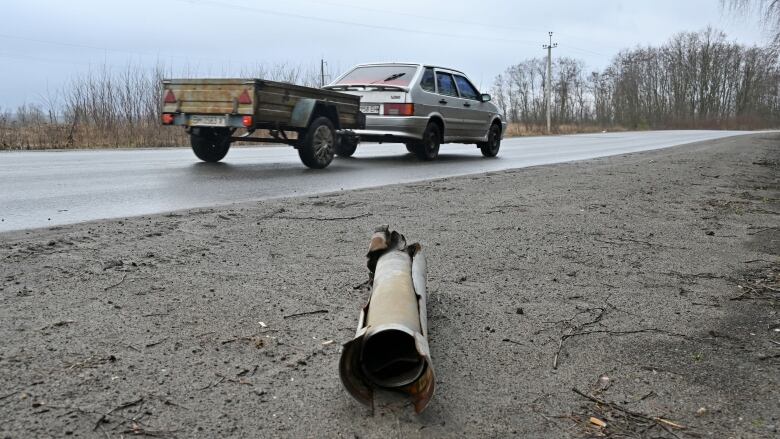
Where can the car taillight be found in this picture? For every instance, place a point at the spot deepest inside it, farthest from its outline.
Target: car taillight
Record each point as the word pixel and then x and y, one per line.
pixel 170 98
pixel 399 109
pixel 245 99
pixel 248 121
pixel 167 119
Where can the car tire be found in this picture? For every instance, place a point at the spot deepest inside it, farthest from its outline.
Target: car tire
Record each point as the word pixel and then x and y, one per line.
pixel 493 144
pixel 428 148
pixel 346 146
pixel 318 146
pixel 210 144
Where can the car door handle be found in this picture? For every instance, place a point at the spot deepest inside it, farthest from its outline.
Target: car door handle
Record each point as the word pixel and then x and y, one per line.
pixel 467 104
pixel 443 102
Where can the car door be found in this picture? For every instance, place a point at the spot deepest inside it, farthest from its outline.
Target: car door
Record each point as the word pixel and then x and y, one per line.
pixel 476 118
pixel 450 105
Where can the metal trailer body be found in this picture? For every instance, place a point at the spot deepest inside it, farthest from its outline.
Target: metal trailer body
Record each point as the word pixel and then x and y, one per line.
pixel 212 110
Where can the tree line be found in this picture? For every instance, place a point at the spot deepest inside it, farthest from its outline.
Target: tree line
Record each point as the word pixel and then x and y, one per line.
pixel 694 80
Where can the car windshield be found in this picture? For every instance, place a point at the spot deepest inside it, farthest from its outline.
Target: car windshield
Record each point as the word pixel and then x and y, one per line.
pixel 380 75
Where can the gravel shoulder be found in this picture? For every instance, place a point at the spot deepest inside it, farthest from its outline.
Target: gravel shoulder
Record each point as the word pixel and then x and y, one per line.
pixel 648 282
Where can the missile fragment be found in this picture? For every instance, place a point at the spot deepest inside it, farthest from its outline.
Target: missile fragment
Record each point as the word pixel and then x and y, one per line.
pixel 390 349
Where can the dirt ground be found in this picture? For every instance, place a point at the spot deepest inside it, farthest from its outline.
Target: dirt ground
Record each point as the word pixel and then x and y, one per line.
pixel 640 290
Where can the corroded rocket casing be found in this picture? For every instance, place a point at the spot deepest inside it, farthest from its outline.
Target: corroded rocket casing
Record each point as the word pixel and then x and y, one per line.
pixel 390 349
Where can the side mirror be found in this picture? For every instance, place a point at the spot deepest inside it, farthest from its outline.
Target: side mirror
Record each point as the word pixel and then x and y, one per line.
pixel 486 97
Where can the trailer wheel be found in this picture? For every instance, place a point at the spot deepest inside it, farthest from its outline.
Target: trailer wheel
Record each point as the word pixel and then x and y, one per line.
pixel 210 144
pixel 318 145
pixel 346 146
pixel 411 147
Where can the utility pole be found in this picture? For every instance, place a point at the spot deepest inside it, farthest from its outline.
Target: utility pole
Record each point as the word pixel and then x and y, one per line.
pixel 547 89
pixel 322 72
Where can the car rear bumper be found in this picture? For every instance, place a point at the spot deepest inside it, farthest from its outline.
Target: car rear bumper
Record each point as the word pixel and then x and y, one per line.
pixel 393 128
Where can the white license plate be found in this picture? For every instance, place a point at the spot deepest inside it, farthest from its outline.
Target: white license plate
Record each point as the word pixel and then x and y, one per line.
pixel 208 121
pixel 369 109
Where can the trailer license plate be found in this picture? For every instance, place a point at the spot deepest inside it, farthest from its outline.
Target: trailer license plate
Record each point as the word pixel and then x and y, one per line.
pixel 369 109
pixel 208 121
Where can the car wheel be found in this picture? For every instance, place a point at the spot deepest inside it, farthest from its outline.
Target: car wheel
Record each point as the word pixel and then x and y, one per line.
pixel 346 146
pixel 428 148
pixel 210 144
pixel 493 144
pixel 318 145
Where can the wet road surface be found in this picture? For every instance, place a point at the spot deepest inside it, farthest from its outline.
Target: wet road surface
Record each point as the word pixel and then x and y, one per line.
pixel 47 188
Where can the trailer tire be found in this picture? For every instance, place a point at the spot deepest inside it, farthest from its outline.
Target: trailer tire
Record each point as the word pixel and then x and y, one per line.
pixel 346 146
pixel 210 144
pixel 410 147
pixel 318 146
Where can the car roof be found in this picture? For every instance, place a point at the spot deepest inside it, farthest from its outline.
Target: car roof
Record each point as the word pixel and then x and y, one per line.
pixel 416 64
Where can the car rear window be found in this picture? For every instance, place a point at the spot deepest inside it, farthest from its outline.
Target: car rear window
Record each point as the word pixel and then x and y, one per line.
pixel 446 84
pixel 428 83
pixel 382 75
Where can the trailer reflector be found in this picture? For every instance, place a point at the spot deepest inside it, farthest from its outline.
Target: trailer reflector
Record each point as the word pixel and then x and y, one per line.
pixel 248 121
pixel 245 99
pixel 170 98
pixel 168 119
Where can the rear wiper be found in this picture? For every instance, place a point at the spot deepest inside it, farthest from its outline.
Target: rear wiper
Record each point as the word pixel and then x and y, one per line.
pixel 390 78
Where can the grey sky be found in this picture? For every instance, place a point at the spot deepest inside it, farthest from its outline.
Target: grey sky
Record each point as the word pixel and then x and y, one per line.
pixel 47 42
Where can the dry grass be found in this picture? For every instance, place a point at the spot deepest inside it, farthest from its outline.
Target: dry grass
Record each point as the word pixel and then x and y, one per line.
pixel 16 136
pixel 520 129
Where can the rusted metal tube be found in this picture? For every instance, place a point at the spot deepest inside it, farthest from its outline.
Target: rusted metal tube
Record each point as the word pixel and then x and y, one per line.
pixel 390 349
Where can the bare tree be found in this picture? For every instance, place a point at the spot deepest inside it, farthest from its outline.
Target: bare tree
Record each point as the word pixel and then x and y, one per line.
pixel 768 9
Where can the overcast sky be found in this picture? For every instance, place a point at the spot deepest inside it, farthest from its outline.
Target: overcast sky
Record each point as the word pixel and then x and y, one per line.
pixel 44 43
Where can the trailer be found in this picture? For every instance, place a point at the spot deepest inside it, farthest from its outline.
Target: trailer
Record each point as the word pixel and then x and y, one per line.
pixel 314 121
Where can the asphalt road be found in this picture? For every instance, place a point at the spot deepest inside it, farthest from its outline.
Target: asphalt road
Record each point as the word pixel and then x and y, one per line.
pixel 47 188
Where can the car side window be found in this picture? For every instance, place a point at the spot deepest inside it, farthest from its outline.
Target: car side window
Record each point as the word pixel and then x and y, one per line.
pixel 428 82
pixel 466 89
pixel 446 84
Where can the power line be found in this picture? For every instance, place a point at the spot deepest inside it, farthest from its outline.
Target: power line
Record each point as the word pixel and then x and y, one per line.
pixel 41 59
pixel 108 49
pixel 449 20
pixel 220 4
pixel 66 44
pixel 566 46
pixel 214 3
pixel 424 17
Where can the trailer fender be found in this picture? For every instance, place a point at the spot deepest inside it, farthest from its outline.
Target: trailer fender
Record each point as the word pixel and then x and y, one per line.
pixel 306 110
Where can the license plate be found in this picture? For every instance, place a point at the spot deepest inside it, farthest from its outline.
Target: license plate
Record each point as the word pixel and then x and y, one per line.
pixel 369 109
pixel 208 121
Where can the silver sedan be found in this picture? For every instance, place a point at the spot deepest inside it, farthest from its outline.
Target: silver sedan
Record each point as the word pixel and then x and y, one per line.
pixel 422 106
